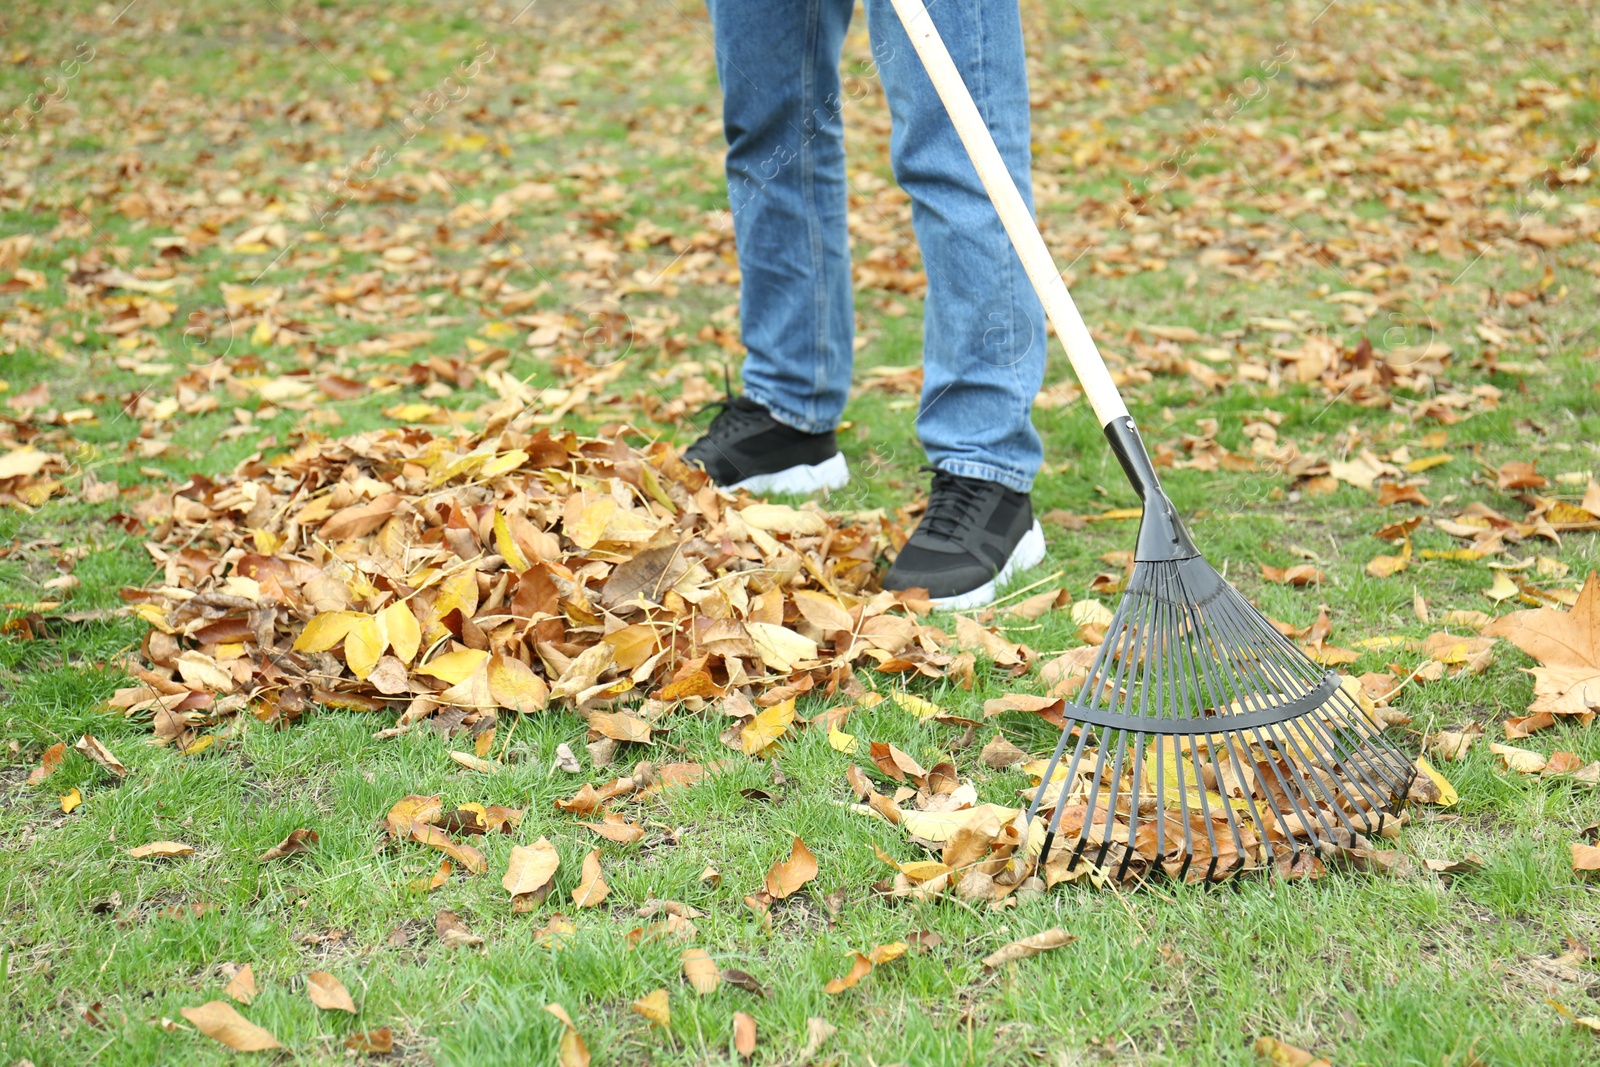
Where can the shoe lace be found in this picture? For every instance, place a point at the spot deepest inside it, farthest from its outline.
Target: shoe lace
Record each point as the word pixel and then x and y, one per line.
pixel 730 416
pixel 953 502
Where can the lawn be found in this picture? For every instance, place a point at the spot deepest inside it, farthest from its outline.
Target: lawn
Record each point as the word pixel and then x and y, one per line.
pixel 1343 257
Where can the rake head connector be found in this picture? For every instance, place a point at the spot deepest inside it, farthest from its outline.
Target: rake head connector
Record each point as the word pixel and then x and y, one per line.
pixel 1203 741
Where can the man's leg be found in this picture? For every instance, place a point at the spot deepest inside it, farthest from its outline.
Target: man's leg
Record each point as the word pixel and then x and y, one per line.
pixel 778 62
pixel 983 326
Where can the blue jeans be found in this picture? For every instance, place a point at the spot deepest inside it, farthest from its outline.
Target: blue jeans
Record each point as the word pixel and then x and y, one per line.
pixel 983 340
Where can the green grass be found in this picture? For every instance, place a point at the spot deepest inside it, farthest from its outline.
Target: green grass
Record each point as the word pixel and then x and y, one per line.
pixel 269 104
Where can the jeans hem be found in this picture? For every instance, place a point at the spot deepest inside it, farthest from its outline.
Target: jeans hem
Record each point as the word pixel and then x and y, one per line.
pixel 788 418
pixel 1005 476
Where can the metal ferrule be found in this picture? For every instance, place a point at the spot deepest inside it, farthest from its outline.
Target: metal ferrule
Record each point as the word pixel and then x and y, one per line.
pixel 1162 537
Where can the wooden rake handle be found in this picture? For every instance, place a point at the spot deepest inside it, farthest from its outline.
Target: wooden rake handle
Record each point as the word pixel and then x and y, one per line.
pixel 1014 214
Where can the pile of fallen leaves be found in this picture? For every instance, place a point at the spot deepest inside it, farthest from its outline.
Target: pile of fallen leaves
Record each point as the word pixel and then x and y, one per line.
pixel 452 578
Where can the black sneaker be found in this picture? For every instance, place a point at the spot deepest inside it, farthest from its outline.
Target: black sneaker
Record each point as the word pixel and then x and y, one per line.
pixel 746 448
pixel 974 535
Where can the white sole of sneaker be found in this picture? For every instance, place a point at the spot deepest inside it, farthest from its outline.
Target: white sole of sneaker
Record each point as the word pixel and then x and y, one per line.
pixel 1028 553
pixel 831 473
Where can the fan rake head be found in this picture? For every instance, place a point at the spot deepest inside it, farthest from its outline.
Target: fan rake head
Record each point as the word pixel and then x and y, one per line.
pixel 1204 742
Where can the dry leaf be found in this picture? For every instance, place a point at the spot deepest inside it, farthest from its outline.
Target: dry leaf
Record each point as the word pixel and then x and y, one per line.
pixel 1278 1054
pixel 531 869
pixel 298 841
pixel 700 970
pixel 242 986
pixel 786 877
pixel 161 850
pixel 453 933
pixel 379 1042
pixel 744 1034
pixel 572 1052
pixel 1031 945
pixel 655 1007
pixel 592 888
pixel 219 1021
pixel 101 755
pixel 328 993
pixel 70 801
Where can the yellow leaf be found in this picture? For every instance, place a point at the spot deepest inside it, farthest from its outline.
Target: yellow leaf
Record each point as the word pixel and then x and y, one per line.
pixel 328 993
pixel 841 741
pixel 586 532
pixel 326 630
pixel 71 800
pixel 767 727
pixel 592 888
pixel 655 1007
pixel 922 709
pixel 701 970
pixel 363 644
pixel 1425 463
pixel 405 636
pixel 786 877
pixel 1447 792
pixel 513 685
pixel 454 667
pixel 780 647
pixel 504 462
pixel 938 826
pixel 161 850
pixel 531 867
pixel 219 1021
pixel 506 545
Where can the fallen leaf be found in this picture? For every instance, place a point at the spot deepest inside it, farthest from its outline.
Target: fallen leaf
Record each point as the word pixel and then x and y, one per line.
pixel 48 763
pixel 530 869
pixel 219 1021
pixel 328 993
pixel 700 970
pixel 379 1042
pixel 298 841
pixel 572 1052
pixel 70 801
pixel 655 1007
pixel 161 850
pixel 1031 945
pixel 744 1034
pixel 786 877
pixel 1519 759
pixel 452 931
pixel 1278 1054
pixel 592 888
pixel 101 755
pixel 1585 858
pixel 242 986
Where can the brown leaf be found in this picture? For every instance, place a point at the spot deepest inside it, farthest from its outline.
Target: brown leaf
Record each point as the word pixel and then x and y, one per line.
pixel 453 933
pixel 48 763
pixel 592 888
pixel 860 967
pixel 531 868
pixel 409 811
pixel 747 982
pixel 242 986
pixel 1520 474
pixel 744 1034
pixel 616 828
pixel 328 993
pixel 786 877
pixel 572 1052
pixel 161 850
pixel 700 970
pixel 656 1007
pixel 379 1042
pixel 298 841
pixel 1031 945
pixel 101 755
pixel 219 1021
pixel 1585 858
pixel 1300 575
pixel 1000 753
pixel 1279 1054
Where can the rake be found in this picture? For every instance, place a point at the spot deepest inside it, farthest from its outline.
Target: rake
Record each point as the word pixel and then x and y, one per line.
pixel 1203 741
